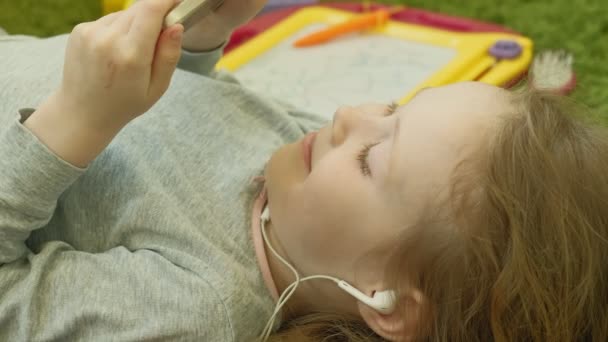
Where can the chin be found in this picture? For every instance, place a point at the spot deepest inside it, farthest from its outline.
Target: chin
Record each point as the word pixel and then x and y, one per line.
pixel 286 162
pixel 284 171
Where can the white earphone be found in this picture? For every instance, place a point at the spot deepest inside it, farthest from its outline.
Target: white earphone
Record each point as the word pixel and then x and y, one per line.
pixel 381 301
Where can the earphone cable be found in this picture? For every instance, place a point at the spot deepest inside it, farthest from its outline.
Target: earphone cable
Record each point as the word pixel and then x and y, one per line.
pixel 291 289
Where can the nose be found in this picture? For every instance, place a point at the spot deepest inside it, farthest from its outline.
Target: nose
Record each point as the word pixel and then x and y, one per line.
pixel 345 120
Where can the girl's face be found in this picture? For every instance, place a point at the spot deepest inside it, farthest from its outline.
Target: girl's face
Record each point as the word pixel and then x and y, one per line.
pixel 372 170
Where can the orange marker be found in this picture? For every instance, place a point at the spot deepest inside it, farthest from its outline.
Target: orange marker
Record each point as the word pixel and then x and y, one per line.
pixel 358 23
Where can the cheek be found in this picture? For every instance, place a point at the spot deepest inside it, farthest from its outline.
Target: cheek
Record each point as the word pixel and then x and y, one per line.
pixel 319 217
pixel 323 211
pixel 313 228
pixel 283 171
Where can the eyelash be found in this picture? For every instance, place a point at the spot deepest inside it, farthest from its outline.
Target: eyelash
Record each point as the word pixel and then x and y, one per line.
pixel 362 159
pixel 364 153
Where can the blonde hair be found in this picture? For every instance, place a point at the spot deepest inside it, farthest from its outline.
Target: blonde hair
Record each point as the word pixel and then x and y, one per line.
pixel 523 253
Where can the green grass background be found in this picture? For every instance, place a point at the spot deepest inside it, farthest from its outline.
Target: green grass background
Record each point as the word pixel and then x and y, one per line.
pixel 579 26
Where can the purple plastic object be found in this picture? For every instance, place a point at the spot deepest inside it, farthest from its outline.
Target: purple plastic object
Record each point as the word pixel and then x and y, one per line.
pixel 506 49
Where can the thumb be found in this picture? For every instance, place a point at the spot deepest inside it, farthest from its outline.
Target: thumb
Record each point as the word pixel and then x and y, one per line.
pixel 166 57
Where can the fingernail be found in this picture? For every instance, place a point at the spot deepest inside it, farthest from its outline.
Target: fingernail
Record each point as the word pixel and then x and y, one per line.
pixel 176 35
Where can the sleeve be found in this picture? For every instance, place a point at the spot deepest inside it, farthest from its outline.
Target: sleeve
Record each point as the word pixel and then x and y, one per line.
pixel 63 294
pixel 33 178
pixel 202 63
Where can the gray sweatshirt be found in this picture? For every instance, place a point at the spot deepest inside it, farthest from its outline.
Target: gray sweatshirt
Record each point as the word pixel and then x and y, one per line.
pixel 152 241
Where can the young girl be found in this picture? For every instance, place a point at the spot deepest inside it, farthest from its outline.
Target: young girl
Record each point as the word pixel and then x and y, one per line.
pixel 478 212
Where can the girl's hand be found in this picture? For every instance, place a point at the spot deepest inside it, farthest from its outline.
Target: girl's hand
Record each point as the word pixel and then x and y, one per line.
pixel 217 27
pixel 117 67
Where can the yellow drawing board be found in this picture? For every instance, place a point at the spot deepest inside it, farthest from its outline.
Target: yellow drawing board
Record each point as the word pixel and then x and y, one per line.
pixel 387 64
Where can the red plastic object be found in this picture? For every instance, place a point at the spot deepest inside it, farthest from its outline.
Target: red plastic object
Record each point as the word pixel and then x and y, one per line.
pixel 408 15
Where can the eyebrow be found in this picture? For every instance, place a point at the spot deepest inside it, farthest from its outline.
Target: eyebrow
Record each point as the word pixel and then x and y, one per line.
pixel 392 151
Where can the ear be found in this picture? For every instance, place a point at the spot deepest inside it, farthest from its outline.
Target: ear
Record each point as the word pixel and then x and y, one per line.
pixel 400 325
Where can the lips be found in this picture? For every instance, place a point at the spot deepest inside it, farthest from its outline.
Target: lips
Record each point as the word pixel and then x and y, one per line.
pixel 307 146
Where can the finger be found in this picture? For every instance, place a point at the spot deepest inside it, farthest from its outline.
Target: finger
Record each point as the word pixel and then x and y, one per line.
pixel 148 23
pixel 109 19
pixel 122 24
pixel 168 51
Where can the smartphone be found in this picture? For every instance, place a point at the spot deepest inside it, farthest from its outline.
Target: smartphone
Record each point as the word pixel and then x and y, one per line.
pixel 188 12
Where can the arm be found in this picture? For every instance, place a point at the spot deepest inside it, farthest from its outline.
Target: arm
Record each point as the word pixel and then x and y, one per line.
pixel 73 140
pixel 101 91
pixel 59 293
pixel 116 68
pixel 32 180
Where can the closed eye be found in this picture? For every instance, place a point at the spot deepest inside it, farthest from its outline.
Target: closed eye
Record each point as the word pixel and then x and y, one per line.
pixel 362 159
pixel 364 153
